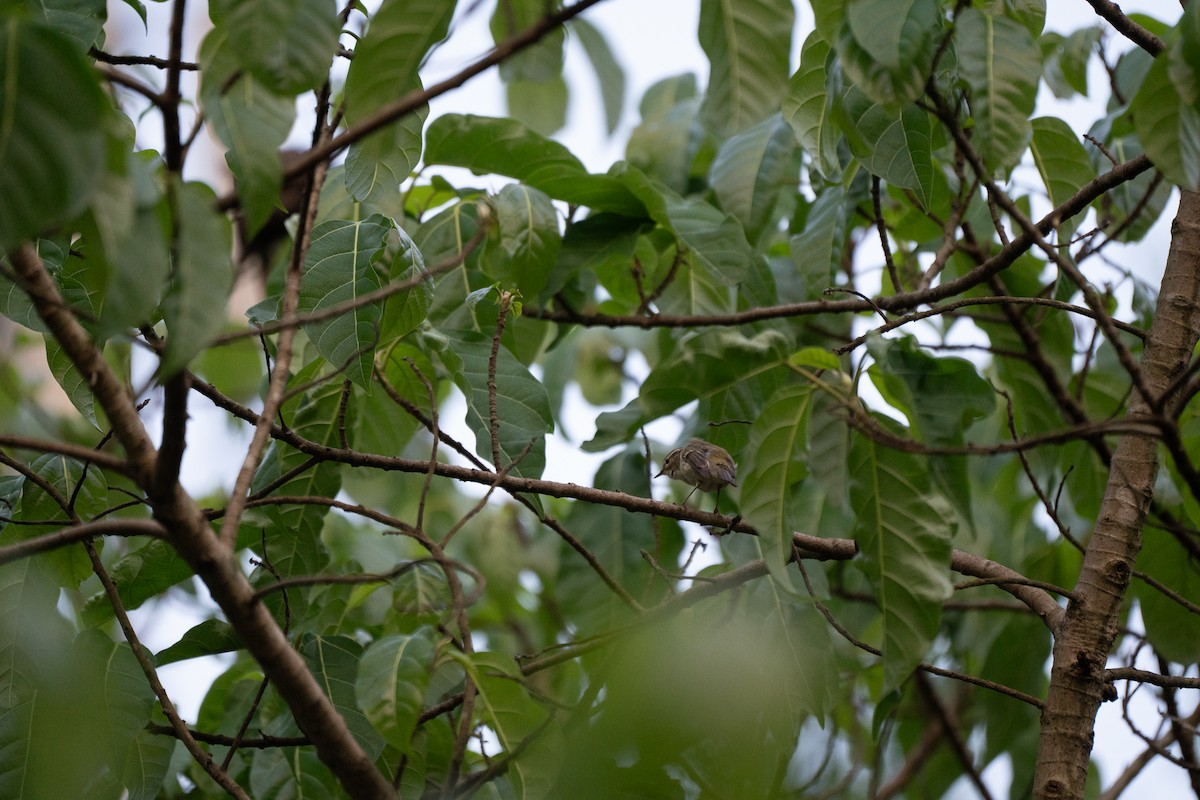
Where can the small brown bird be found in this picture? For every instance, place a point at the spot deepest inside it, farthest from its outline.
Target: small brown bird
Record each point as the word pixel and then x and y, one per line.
pixel 701 464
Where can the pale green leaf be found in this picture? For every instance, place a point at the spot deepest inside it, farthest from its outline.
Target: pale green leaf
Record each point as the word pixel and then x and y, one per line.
pixel 748 44
pixel 393 676
pixel 202 275
pixel 751 170
pixel 52 132
pixel 525 241
pixel 769 497
pixel 808 108
pixel 339 267
pixel 887 47
pixel 903 533
pixel 1001 64
pixel 609 73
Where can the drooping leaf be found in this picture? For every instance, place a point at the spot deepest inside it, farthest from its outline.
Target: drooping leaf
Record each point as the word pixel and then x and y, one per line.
pixel 522 406
pixel 506 147
pixel 339 267
pixel 525 241
pixel 769 497
pixel 393 676
pixel 887 48
pixel 334 662
pixel 52 133
pixel 200 280
pixel 609 73
pixel 895 145
pixel 286 44
pixel 748 45
pixel 1062 163
pixel 808 108
pixel 1000 63
pixel 903 530
pixel 750 171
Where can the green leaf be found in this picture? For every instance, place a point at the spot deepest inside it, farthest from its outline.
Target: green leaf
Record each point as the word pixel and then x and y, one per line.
pixel 541 105
pixel 82 20
pixel 1062 163
pixel 1065 60
pixel 383 70
pixel 729 372
pixel 393 677
pixel 670 144
pixel 903 535
pixel 524 244
pixel 85 494
pixel 251 119
pixel 339 267
pixel 52 133
pixel 748 45
pixel 1000 63
pixel 887 47
pixel 522 406
pixel 119 698
pixel 817 250
pixel 715 241
pixel 940 396
pixel 406 310
pixel 752 170
pixel 208 638
pixel 74 384
pixel 139 575
pixel 505 147
pixel 200 279
pixel 1174 633
pixel 285 44
pixel 896 145
pixel 146 765
pixel 334 662
pixel 1166 116
pixel 769 497
pixel 293 537
pixel 609 74
pixel 543 61
pixel 808 108
pixel 132 225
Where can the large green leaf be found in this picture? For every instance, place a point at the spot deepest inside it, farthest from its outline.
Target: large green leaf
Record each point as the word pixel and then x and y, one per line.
pixel 251 119
pixel 201 277
pixel 715 241
pixel 896 145
pixel 1166 116
pixel 52 133
pixel 769 497
pixel 139 575
pixel 384 69
pixel 609 73
pixel 393 676
pixel 85 493
pixel 293 538
pixel 506 147
pixel 808 108
pixel 1062 163
pixel 817 250
pixel 728 372
pixel 82 20
pixel 1001 64
pixel 748 44
pixel 522 406
pixel 285 44
pixel 903 530
pixel 525 242
pixel 751 171
pixel 339 267
pixel 887 47
pixel 334 662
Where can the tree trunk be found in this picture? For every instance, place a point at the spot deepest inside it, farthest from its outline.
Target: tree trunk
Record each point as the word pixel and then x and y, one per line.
pixel 1087 631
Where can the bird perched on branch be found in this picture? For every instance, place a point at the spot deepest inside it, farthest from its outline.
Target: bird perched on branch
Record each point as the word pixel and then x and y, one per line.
pixel 703 465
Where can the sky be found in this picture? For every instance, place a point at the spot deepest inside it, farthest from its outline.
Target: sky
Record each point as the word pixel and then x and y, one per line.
pixel 652 40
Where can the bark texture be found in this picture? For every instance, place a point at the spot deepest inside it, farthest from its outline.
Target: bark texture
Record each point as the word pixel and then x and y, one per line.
pixel 1085 634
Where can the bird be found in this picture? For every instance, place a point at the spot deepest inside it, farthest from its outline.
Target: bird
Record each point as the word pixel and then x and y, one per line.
pixel 702 465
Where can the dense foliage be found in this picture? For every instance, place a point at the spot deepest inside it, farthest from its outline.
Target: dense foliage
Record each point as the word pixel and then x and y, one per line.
pixel 877 280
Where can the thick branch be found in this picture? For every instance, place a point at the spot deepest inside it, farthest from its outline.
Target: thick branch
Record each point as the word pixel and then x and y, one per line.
pixel 1087 631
